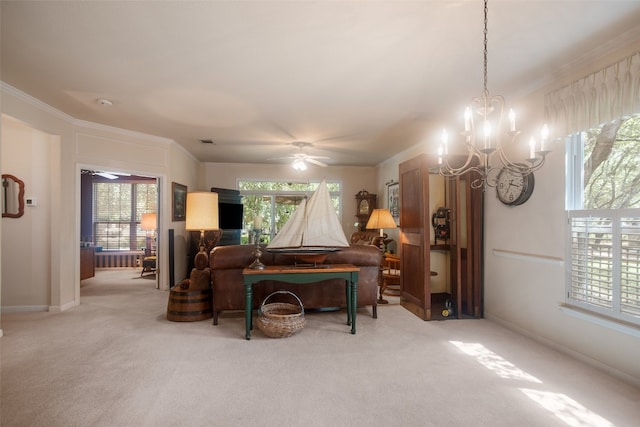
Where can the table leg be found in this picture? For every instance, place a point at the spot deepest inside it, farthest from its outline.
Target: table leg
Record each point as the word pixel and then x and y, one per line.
pixel 248 309
pixel 348 299
pixel 354 304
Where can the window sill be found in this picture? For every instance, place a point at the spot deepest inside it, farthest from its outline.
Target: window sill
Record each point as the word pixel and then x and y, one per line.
pixel 600 320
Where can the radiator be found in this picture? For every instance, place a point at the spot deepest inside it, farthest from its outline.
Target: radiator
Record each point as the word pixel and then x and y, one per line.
pixel 111 260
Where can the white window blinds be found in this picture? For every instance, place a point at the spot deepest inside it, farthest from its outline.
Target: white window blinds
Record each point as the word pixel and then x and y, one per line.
pixel 604 273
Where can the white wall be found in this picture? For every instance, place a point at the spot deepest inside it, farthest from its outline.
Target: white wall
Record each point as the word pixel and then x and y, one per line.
pixel 58 255
pixel 524 268
pixel 525 263
pixel 47 149
pixel 182 169
pixel 26 242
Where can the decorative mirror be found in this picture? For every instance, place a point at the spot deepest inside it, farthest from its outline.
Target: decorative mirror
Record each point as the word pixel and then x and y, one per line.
pixel 12 196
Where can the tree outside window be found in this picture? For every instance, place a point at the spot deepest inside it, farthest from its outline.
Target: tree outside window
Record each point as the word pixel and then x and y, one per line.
pixel 604 229
pixel 275 202
pixel 612 165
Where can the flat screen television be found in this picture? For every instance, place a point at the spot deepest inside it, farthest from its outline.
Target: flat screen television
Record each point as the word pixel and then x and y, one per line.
pixel 230 216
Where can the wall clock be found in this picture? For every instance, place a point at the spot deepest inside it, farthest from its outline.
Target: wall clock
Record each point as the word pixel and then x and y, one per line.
pixel 513 188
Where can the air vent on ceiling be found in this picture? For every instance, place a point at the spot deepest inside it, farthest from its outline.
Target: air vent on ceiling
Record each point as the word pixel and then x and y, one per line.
pixel 206 141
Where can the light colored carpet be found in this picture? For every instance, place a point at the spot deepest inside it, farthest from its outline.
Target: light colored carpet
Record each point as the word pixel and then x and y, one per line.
pixel 116 361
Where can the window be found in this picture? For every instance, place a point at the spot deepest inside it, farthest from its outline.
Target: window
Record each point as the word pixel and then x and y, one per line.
pixel 275 202
pixel 117 207
pixel 603 202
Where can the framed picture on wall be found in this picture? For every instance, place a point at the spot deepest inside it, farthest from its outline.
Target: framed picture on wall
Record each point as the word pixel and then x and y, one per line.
pixel 179 205
pixel 393 202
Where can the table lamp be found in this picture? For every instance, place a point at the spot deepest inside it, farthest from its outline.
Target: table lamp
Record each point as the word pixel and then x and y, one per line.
pixel 148 223
pixel 381 218
pixel 202 215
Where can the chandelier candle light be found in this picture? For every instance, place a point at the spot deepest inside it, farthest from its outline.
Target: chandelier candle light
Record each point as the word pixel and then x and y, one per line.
pixel 486 143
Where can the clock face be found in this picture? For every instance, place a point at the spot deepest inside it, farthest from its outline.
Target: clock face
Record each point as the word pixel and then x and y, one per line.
pixel 513 188
pixel 364 207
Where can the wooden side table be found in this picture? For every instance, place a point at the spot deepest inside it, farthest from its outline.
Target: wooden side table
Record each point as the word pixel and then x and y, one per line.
pixel 293 274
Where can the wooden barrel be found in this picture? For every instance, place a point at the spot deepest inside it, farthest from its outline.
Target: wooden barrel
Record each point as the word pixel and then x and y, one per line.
pixel 186 305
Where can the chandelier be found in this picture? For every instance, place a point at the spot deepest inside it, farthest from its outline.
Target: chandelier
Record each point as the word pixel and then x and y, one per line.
pixel 485 130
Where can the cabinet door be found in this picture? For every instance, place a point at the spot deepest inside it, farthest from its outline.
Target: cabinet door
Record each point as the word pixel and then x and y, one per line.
pixel 415 223
pixel 87 262
pixel 464 247
pixel 471 202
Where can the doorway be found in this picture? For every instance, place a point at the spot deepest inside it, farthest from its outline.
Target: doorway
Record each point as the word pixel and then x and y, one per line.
pixel 113 234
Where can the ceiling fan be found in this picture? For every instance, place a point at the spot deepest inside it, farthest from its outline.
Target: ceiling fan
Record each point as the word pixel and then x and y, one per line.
pixel 300 159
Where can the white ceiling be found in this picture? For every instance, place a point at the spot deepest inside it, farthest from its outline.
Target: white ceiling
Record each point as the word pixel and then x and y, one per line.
pixel 358 79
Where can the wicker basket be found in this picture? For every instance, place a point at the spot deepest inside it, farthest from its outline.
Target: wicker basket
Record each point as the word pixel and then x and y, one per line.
pixel 280 319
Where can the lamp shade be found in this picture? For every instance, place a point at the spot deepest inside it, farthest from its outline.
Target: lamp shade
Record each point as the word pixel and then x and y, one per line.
pixel 202 211
pixel 381 218
pixel 148 221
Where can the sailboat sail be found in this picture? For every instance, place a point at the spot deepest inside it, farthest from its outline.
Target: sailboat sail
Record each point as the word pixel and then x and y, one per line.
pixel 314 224
pixel 290 236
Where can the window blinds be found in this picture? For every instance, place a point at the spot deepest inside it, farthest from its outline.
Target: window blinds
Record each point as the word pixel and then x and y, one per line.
pixel 605 262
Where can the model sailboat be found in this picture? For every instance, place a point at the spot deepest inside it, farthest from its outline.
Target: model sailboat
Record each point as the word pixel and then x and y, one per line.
pixel 313 228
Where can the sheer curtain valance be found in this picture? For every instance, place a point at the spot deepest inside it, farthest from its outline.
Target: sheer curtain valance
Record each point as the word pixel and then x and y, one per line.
pixel 606 95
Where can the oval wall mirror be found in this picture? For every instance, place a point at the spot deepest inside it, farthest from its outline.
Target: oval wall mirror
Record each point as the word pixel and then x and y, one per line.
pixel 12 196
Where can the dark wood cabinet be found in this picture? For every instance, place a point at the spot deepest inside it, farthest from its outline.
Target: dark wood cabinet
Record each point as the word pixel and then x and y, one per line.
pixel 87 262
pixel 419 178
pixel 415 261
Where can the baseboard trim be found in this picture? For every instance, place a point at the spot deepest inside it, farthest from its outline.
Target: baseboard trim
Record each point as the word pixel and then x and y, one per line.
pixel 566 350
pixel 34 308
pixel 61 308
pixel 24 308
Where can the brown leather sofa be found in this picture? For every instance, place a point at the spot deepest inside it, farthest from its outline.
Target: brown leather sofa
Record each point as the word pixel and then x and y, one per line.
pixel 365 237
pixel 227 262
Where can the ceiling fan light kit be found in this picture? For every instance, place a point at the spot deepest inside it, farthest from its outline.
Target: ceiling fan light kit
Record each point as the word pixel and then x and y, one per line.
pixel 299 165
pixel 484 145
pixel 301 159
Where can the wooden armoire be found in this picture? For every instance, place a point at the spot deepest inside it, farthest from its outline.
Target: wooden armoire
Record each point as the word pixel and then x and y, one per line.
pixel 454 262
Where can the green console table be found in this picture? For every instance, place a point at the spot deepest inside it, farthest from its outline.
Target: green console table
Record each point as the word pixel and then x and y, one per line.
pixel 294 274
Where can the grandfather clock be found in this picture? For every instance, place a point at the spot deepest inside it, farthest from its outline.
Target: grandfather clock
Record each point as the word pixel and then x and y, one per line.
pixel 365 204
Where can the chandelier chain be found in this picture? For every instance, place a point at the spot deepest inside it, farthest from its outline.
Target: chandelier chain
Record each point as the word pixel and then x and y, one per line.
pixel 486 22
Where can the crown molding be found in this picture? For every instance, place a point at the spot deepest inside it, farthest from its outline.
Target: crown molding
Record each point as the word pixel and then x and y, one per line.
pixel 122 132
pixel 35 102
pixel 587 62
pixel 626 42
pixel 42 106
